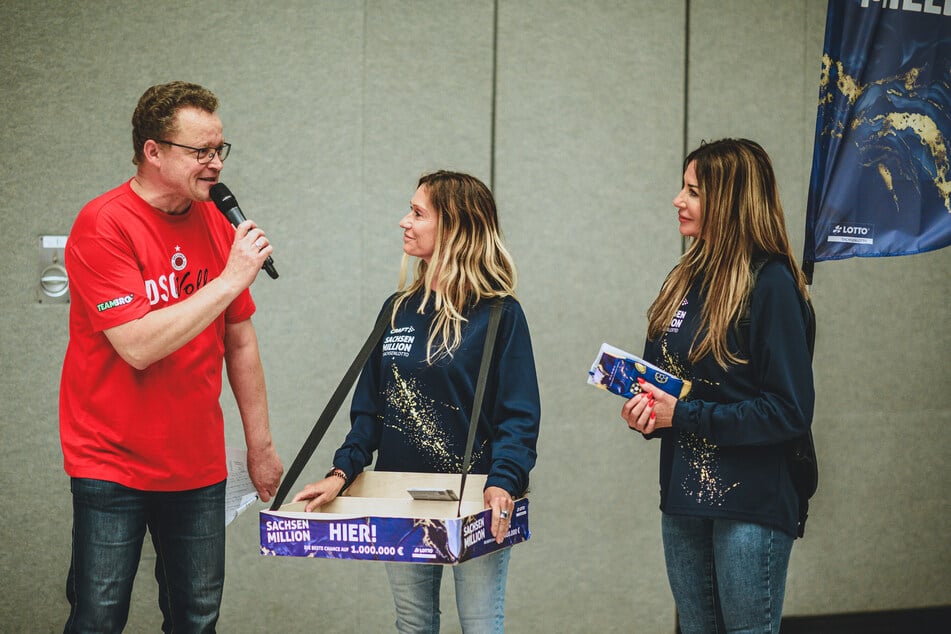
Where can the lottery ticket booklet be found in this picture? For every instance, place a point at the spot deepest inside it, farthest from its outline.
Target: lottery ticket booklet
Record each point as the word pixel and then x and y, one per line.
pixel 617 371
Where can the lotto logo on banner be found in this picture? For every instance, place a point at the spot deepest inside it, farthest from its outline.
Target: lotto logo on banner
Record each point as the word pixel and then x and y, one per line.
pixel 856 234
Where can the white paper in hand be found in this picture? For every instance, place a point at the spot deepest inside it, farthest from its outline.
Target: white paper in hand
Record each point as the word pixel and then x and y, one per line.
pixel 239 490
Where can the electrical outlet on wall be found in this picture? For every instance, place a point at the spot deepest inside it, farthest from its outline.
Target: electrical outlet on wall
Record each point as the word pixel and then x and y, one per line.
pixel 53 285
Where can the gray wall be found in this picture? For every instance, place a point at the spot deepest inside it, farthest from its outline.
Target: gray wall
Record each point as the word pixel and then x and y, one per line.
pixel 334 109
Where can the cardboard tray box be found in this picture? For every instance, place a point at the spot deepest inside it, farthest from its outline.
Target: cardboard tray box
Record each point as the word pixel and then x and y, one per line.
pixel 377 519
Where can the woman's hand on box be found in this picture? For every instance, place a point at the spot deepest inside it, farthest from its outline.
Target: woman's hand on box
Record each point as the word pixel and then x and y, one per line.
pixel 502 506
pixel 319 493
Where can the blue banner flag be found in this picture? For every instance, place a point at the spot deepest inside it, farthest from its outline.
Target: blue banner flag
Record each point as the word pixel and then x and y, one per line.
pixel 881 182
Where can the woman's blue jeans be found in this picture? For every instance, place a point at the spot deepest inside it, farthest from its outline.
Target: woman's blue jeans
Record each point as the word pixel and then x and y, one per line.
pixel 109 524
pixel 726 576
pixel 480 594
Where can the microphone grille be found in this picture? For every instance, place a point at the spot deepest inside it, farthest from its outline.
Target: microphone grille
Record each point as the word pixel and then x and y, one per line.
pixel 222 196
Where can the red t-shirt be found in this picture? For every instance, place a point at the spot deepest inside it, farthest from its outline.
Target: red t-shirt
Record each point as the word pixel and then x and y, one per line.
pixel 161 428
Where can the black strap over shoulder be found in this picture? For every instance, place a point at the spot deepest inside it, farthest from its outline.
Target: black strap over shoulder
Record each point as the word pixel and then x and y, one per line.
pixel 495 313
pixel 336 400
pixel 801 451
pixel 742 323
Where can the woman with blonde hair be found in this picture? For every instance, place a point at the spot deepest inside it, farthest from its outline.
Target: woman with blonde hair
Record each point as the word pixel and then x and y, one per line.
pixel 412 402
pixel 733 317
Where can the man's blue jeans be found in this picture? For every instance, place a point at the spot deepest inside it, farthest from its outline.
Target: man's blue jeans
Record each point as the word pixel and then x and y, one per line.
pixel 480 594
pixel 109 524
pixel 726 576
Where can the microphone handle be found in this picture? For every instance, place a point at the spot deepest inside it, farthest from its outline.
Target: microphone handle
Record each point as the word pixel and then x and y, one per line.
pixel 269 268
pixel 235 216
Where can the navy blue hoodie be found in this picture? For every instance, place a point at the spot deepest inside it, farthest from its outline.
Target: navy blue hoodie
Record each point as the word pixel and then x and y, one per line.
pixel 416 416
pixel 724 456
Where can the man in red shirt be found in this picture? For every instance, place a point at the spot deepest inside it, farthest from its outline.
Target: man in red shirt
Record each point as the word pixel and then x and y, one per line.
pixel 159 280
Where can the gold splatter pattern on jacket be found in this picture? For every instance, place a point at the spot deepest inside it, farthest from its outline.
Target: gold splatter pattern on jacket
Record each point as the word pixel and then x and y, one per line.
pixel 419 421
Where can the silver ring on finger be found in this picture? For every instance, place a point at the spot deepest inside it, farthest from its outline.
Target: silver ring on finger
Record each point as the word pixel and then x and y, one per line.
pixel 504 514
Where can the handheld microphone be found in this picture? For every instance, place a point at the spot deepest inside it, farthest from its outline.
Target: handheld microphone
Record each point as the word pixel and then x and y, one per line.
pixel 228 205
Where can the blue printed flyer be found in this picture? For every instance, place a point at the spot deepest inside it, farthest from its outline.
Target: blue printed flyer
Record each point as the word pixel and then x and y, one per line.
pixel 617 372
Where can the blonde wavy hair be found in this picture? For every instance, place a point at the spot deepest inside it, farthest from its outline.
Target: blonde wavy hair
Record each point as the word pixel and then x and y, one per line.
pixel 741 219
pixel 469 263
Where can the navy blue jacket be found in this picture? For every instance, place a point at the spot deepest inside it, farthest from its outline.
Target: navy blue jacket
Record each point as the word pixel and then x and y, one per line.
pixel 416 416
pixel 724 456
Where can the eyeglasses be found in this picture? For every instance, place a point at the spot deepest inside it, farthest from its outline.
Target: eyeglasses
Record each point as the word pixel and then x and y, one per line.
pixel 204 155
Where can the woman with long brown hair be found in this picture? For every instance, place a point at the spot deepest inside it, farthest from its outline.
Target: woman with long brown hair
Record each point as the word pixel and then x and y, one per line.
pixel 733 317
